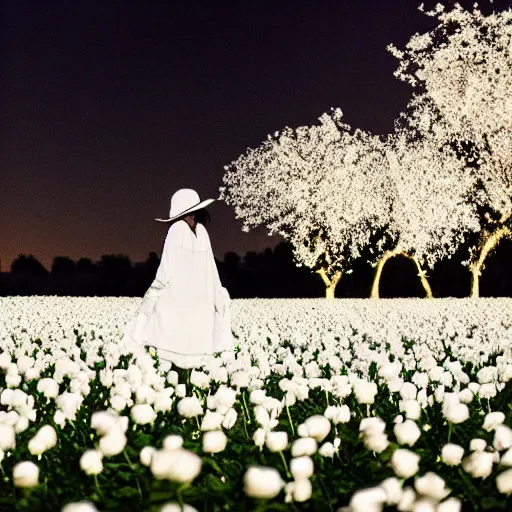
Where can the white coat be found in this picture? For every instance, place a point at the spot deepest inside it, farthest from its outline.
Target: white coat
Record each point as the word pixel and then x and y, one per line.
pixel 186 313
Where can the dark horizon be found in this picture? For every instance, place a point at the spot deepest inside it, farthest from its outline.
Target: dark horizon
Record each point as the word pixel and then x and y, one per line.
pixel 108 110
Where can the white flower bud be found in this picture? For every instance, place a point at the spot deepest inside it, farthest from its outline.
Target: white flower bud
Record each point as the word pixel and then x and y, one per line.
pixel 25 474
pixel 405 463
pixel 146 454
pixel 91 462
pixel 262 482
pixel 452 454
pixel 214 441
pixel 276 441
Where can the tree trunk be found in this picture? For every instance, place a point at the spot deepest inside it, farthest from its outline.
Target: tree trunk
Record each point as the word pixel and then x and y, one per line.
pixel 423 276
pixel 390 254
pixel 488 245
pixel 330 284
pixel 378 272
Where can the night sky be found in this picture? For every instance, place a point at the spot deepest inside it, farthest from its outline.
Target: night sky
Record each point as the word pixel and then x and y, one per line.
pixel 109 107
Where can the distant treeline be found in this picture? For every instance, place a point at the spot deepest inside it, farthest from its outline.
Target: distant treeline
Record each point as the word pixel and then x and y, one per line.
pixel 268 274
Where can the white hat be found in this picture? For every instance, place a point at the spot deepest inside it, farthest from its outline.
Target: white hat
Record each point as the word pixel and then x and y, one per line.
pixel 185 201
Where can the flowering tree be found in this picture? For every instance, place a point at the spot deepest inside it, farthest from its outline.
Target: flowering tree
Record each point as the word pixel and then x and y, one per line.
pixel 320 187
pixel 431 206
pixel 462 74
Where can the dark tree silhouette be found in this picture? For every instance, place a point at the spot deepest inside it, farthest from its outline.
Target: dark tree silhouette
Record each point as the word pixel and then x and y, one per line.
pixel 28 265
pixel 86 266
pixel 115 271
pixel 63 265
pixel 152 263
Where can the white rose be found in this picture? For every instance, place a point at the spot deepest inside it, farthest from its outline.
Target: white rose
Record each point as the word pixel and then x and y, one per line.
pixel 181 390
pixel 411 408
pixel 185 465
pixel 327 450
pixel 466 396
pixel 259 437
pixel 368 499
pixel 36 446
pixel 502 438
pixel 173 442
pixel 299 490
pixel 304 446
pixel 113 443
pixel 452 454
pixel 214 441
pixel 163 402
pixel 377 442
pixel 145 394
pixel 365 391
pixel 492 420
pixel 301 467
pixel 229 419
pixel 432 486
pixel 262 482
pixel 48 387
pixel 80 506
pixel 393 489
pixel 91 462
pixel 478 464
pixel 146 454
pixel 103 421
pixel 172 378
pixel 406 503
pixel 276 441
pixel 302 430
pixel 176 507
pixel 487 391
pixel 25 474
pixel 408 391
pixel 374 425
pixel 504 482
pixel 506 458
pixel 21 425
pixel 477 445
pixel 449 505
pixel 456 413
pixel 318 427
pixel 211 421
pixel 407 432
pixel 117 402
pixel 189 407
pixel 257 396
pixel 142 414
pixel 405 463
pixel 199 379
pixel 7 437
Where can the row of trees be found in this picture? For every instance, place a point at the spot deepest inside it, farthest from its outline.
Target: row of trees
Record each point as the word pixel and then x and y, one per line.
pixel 441 181
pixel 268 274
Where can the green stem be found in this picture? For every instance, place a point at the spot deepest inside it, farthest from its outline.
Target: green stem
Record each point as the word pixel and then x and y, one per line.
pixel 179 496
pixel 327 397
pixel 288 474
pixel 97 485
pixel 247 408
pixel 245 423
pixel 449 431
pixel 290 420
pixel 197 421
pixel 132 467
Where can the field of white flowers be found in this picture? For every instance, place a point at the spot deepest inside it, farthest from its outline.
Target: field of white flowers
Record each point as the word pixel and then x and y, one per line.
pixel 351 405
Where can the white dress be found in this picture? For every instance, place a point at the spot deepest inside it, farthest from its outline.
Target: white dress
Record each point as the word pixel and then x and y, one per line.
pixel 186 313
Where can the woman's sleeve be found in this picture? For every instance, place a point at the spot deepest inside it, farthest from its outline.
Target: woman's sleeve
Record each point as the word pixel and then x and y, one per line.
pixel 163 273
pixel 222 299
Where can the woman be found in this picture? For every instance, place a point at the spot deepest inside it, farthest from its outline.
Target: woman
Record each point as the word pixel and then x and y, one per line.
pixel 185 314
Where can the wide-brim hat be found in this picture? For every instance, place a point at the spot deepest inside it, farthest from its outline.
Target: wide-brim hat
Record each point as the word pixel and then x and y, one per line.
pixel 185 201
